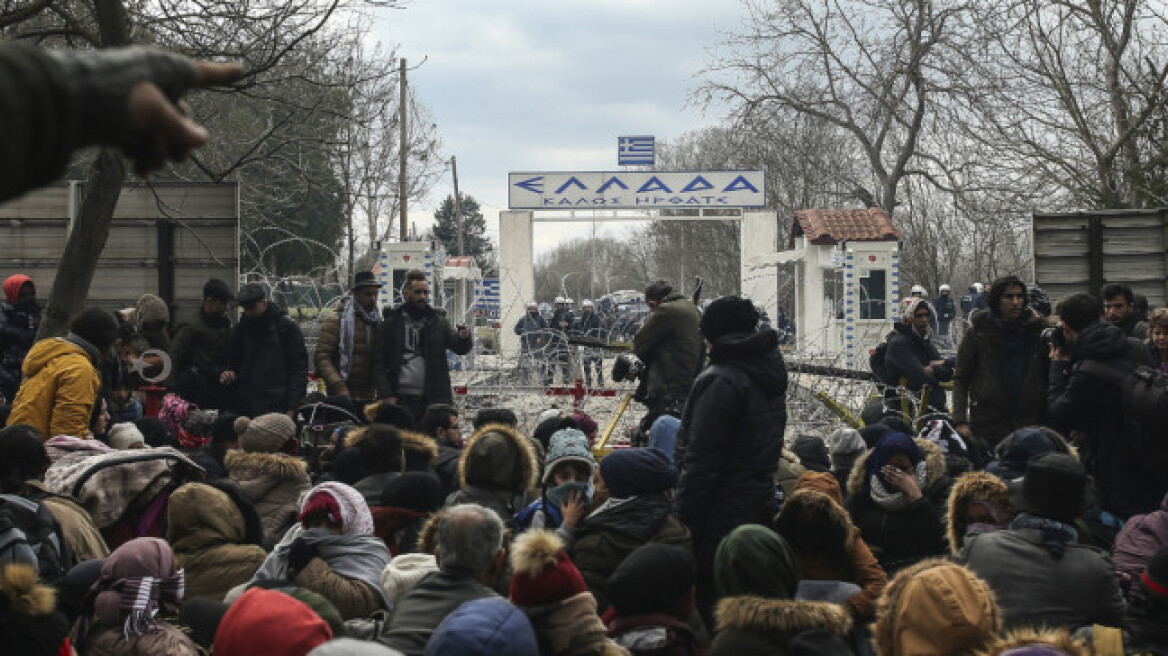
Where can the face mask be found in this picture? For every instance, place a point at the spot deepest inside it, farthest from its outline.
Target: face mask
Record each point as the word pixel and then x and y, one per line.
pixel 560 494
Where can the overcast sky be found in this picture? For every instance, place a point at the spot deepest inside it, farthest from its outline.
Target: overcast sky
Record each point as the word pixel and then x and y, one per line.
pixel 539 85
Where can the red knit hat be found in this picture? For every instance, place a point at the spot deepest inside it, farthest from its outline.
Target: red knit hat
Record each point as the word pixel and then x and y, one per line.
pixel 269 622
pixel 543 573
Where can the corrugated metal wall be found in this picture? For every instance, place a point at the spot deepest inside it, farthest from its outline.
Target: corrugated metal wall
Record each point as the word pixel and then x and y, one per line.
pixel 1082 251
pixel 204 224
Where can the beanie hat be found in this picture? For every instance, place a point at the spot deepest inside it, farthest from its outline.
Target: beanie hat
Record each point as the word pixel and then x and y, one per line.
pixel 635 471
pixel 651 579
pixel 347 503
pixel 568 445
pixel 403 573
pixel 585 423
pixel 95 326
pixel 216 288
pixel 812 453
pixel 150 312
pixel 12 285
pixel 727 315
pixel 845 441
pixel 484 627
pixel 126 436
pixel 543 572
pixel 1055 487
pixel 268 621
pixel 754 560
pixel 1019 447
pixel 267 433
pixel 1155 577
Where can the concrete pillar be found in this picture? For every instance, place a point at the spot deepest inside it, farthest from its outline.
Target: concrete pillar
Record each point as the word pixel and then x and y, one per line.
pixel 759 238
pixel 516 276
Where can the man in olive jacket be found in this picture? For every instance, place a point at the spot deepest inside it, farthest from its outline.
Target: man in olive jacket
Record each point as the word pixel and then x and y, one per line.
pixel 670 345
pixel 348 336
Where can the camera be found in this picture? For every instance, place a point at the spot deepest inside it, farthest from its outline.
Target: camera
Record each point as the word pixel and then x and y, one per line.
pixel 1054 336
pixel 627 367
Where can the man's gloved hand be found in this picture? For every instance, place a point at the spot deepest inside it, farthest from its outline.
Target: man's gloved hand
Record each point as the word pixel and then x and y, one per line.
pixel 130 98
pixel 300 553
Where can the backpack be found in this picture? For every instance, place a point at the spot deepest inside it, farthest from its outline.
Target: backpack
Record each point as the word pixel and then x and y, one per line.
pixel 1144 396
pixel 876 362
pixel 28 534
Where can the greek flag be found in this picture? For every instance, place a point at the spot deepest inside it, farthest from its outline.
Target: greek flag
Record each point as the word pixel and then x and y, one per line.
pixel 635 151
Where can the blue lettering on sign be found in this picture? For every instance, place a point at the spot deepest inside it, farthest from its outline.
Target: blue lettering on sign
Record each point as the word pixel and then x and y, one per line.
pixel 697 184
pixel 740 183
pixel 613 181
pixel 571 181
pixel 532 184
pixel 654 184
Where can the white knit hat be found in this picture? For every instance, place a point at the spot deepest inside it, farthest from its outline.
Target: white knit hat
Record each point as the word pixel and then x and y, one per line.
pixel 126 436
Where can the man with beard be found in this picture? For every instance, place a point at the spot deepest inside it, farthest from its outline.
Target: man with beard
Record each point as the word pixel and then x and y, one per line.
pixel 999 384
pixel 199 346
pixel 20 316
pixel 412 370
pixel 266 357
pixel 1119 310
pixel 344 352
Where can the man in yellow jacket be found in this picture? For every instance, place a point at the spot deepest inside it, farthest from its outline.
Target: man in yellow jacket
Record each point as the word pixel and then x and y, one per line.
pixel 61 377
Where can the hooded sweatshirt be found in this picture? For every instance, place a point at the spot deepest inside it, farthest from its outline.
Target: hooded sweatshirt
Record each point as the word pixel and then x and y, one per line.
pixel 60 387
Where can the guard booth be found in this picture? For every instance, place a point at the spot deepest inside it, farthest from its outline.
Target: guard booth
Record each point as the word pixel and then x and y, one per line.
pixel 847 281
pixel 395 259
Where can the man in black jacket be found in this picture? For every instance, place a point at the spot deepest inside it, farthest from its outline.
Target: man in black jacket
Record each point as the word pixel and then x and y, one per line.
pixel 731 434
pixel 411 368
pixel 1091 411
pixel 911 355
pixel 200 346
pixel 265 357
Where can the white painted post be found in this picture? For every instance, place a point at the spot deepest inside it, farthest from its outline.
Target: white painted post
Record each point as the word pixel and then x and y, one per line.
pixel 516 276
pixel 758 238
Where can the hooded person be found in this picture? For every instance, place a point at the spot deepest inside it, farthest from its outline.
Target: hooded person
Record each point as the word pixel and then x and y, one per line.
pixel 226 430
pixel 126 436
pixel 61 377
pixel 638 511
pixel 663 434
pixel 332 551
pixel 484 627
pixel 546 585
pixel 1017 448
pixel 935 608
pixel 978 503
pixel 403 573
pixel 139 581
pixel 567 486
pixel 1137 543
pixel 812 453
pixel 1029 641
pixel 912 357
pixel 497 470
pixel 266 621
pixel 382 459
pixel 844 446
pixel 20 317
pixel 216 538
pixel 1038 570
pixel 405 506
pixel 269 479
pixel 652 595
pixel 898 492
pixel 756 577
pixel 29 621
pixel 828 548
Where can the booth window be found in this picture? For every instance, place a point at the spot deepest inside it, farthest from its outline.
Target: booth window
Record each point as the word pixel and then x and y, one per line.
pixel 873 294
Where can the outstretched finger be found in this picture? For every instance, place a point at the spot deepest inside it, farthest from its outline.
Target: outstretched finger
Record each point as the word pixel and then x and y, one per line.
pixel 210 74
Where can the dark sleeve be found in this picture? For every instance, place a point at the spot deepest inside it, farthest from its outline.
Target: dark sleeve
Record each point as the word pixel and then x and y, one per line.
pixel 381 356
pixel 713 421
pixel 38 119
pixel 1068 397
pixel 901 360
pixel 653 331
pixel 234 353
pixel 455 342
pixel 296 360
pixel 963 373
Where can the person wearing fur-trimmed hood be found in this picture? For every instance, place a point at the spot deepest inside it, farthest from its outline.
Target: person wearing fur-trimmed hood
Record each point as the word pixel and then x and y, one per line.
pixel 497 470
pixel 29 621
pixel 978 503
pixel 269 479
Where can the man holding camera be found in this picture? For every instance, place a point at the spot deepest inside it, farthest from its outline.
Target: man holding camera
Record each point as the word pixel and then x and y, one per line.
pixel 999 383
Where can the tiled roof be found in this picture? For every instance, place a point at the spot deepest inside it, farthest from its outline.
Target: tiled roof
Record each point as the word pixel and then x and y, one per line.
pixel 460 261
pixel 827 227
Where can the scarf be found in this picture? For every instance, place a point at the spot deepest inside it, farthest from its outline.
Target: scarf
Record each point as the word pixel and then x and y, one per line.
pixel 349 328
pixel 354 557
pixel 133 600
pixel 1055 534
pixel 894 501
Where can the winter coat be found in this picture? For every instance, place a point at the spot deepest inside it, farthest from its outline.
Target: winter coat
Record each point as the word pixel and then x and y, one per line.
pixel 18 326
pixel 446 467
pixel 935 608
pixel 655 635
pixel 353 599
pixel 272 483
pixel 731 436
pixel 588 325
pixel 1127 483
pixel 907 356
pixel 60 387
pixel 437 337
pixel 1033 588
pixel 971 487
pixel 904 537
pixel 210 458
pixel 497 469
pixel 209 536
pixel 362 380
pixel 110 641
pixel 670 344
pixel 560 324
pixel 982 395
pixel 571 627
pixel 81 536
pixel 756 625
pixel 267 354
pixel 29 623
pixel 613 531
pixel 788 472
pixel 532 331
pixel 422 609
pixel 946 310
pixel 201 344
pixel 1139 539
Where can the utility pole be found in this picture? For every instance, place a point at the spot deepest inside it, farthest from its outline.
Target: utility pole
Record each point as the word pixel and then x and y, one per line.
pixel 403 150
pixel 457 205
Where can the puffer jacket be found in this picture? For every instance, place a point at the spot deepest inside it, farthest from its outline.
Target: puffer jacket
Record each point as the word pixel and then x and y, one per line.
pixel 18 326
pixel 757 625
pixel 110 641
pixel 267 354
pixel 61 384
pixel 1128 482
pixel 1139 539
pixel 80 534
pixel 437 337
pixel 209 535
pixel 362 381
pixel 202 344
pixel 982 395
pixel 899 539
pixel 614 530
pixel 272 483
pixel 670 344
pixel 497 470
pixel 731 436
